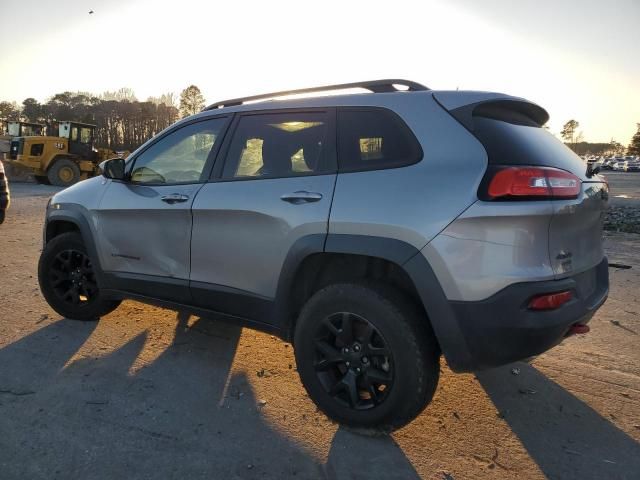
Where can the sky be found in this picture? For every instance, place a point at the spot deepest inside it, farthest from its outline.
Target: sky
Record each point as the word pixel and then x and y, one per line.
pixel 577 59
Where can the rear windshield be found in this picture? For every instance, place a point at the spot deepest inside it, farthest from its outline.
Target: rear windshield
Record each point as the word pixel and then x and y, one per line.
pixel 512 144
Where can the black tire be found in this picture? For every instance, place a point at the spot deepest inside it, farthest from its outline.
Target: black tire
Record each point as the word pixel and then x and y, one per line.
pixel 401 371
pixel 42 180
pixel 68 282
pixel 63 173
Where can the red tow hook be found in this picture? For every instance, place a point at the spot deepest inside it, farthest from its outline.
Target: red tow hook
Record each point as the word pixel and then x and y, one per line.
pixel 578 329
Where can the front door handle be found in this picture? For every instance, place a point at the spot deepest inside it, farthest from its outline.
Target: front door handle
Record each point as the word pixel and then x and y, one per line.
pixel 301 197
pixel 174 198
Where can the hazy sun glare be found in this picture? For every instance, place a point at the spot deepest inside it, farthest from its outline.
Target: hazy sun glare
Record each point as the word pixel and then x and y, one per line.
pixel 246 47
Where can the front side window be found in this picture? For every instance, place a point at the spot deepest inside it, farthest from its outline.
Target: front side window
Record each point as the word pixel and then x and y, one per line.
pixel 374 138
pixel 179 157
pixel 278 145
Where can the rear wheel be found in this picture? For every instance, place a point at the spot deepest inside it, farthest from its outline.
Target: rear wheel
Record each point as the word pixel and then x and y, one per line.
pixel 68 282
pixel 366 356
pixel 63 173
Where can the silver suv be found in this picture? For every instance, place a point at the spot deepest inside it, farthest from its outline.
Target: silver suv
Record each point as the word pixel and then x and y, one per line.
pixel 375 231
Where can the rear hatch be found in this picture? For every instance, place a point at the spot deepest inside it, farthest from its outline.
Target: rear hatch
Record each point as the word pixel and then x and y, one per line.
pixel 513 134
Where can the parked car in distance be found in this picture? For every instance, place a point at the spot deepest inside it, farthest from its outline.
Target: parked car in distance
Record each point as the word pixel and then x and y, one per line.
pixel 632 166
pixel 375 231
pixel 5 196
pixel 606 165
pixel 618 166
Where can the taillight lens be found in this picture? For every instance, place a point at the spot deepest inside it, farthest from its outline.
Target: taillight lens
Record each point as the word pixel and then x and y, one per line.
pixel 550 301
pixel 533 182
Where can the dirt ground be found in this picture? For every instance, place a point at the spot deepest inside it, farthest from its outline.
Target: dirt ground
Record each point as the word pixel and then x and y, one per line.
pixel 149 393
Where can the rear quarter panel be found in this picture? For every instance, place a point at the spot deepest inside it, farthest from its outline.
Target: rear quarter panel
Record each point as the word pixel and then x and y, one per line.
pixel 413 203
pixel 490 246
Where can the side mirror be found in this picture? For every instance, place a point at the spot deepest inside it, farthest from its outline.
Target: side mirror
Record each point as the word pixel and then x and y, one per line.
pixel 113 168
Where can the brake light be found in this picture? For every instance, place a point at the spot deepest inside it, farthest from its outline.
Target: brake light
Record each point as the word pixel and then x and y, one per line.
pixel 550 301
pixel 537 182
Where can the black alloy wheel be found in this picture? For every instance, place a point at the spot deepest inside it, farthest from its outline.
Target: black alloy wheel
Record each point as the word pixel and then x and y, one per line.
pixel 353 361
pixel 72 278
pixel 68 280
pixel 366 355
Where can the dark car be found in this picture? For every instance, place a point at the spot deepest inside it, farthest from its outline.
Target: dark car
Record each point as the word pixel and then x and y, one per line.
pixel 4 193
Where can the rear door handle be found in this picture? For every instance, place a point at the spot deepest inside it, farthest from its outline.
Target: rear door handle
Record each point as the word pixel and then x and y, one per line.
pixel 174 198
pixel 301 197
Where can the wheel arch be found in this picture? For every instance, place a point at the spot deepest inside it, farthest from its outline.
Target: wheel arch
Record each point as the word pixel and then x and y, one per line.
pixel 70 218
pixel 310 264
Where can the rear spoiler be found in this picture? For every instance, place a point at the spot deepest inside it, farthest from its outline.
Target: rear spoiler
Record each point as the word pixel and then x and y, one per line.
pixel 463 106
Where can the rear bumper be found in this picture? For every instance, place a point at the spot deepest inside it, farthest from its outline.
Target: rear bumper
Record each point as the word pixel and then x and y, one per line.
pixel 501 329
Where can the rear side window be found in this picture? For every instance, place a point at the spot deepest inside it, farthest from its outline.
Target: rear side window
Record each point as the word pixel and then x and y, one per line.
pixel 374 138
pixel 278 145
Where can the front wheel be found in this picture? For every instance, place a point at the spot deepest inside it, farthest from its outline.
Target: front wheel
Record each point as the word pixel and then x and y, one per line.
pixel 366 356
pixel 68 281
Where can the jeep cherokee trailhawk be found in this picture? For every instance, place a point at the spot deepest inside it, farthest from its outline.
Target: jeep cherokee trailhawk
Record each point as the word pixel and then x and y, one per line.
pixel 373 230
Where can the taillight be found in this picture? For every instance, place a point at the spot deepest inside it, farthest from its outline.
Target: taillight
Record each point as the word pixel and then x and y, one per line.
pixel 533 182
pixel 550 301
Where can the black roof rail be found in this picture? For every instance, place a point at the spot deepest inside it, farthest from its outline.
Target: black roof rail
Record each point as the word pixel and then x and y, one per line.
pixel 374 86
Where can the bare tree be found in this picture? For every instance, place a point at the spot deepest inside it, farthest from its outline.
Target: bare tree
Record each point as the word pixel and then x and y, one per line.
pixel 570 134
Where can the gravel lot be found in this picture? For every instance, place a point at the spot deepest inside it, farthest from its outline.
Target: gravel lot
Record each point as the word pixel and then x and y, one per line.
pixel 148 393
pixel 624 202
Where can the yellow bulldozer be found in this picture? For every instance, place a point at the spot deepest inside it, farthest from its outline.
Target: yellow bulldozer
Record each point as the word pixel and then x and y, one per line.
pixel 62 160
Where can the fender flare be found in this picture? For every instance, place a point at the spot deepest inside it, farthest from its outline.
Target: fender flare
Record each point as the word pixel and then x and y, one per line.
pixel 77 215
pixel 441 314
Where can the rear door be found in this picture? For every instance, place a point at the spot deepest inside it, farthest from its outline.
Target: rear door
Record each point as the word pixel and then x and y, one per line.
pixel 274 190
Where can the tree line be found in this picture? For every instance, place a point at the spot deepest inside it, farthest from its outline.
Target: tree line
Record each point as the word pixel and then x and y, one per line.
pixel 574 140
pixel 122 121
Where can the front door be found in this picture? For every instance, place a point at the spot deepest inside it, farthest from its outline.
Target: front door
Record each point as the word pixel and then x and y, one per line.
pixel 275 189
pixel 144 223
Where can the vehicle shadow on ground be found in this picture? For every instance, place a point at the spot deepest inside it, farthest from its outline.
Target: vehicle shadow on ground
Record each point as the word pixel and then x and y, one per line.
pixel 563 435
pixel 181 414
pixel 354 456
